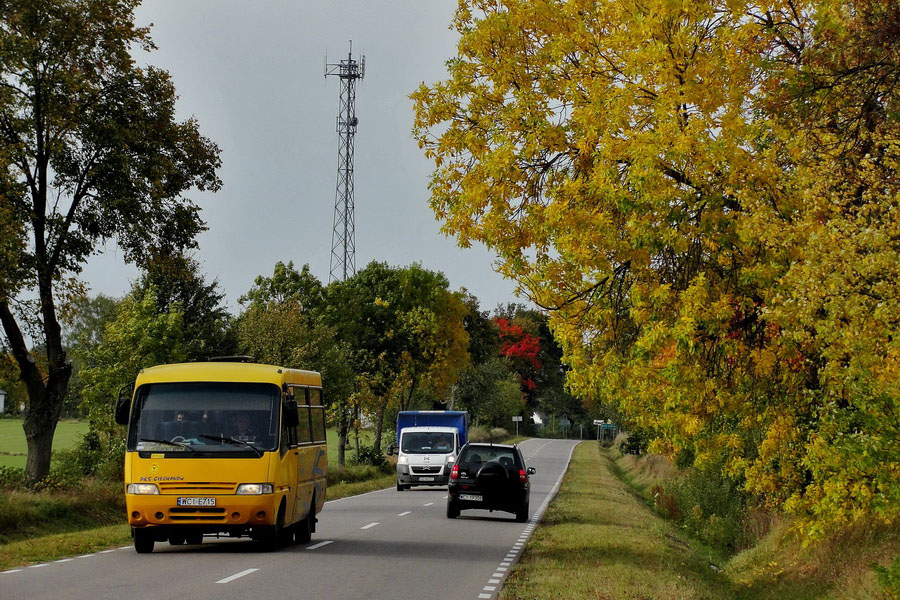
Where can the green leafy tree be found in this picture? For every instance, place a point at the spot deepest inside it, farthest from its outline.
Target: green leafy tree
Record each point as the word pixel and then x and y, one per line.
pixel 282 325
pixel 84 326
pixel 405 330
pixel 139 336
pixel 207 323
pixel 91 151
pixel 490 392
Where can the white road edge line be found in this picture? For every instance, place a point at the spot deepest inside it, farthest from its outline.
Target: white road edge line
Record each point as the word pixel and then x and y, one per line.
pixel 500 572
pixel 237 575
pixel 319 545
pixel 10 571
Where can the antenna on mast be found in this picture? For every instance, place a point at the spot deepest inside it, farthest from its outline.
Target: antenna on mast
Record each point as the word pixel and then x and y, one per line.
pixel 343 236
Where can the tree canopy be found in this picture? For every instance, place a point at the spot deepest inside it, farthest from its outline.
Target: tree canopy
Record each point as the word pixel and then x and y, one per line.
pixel 91 151
pixel 705 197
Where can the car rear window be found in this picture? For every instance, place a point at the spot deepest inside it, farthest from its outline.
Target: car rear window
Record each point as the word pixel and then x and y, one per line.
pixel 504 456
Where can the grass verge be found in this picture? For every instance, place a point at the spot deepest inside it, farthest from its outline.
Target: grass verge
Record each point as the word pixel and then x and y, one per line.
pixel 600 539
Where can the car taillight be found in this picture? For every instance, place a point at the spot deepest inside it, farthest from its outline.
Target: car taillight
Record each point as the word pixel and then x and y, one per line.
pixel 454 474
pixel 523 476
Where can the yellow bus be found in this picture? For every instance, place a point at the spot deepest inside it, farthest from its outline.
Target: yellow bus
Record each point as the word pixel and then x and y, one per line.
pixel 224 449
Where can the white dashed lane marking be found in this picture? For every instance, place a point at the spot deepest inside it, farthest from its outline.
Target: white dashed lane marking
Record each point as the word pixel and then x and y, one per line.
pixel 319 545
pixel 237 575
pixel 369 526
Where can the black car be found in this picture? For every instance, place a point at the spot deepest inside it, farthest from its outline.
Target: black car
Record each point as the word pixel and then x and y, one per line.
pixel 489 477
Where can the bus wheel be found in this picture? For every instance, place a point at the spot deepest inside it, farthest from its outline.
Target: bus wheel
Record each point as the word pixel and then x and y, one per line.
pixel 143 541
pixel 303 532
pixel 276 535
pixel 194 538
pixel 176 540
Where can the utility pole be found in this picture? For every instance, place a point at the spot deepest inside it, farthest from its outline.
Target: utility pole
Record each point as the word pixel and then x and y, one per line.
pixel 343 236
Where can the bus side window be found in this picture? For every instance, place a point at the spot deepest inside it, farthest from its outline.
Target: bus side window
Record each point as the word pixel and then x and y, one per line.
pixel 317 415
pixel 315 397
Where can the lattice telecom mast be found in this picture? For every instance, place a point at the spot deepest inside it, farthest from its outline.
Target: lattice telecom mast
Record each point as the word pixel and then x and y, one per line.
pixel 343 237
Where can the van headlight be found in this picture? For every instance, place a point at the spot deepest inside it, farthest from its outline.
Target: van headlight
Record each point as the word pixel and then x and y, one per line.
pixel 142 488
pixel 255 489
pixel 402 459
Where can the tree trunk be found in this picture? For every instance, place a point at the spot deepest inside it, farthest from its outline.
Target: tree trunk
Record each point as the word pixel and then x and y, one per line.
pixel 379 422
pixel 343 434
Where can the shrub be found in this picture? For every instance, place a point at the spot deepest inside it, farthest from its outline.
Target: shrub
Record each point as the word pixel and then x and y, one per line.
pixel 12 478
pixel 369 455
pixel 635 443
pixel 499 434
pixel 889 577
pixel 708 505
pixel 478 434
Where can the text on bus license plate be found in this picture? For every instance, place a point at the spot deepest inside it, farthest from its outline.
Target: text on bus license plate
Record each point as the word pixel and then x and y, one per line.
pixel 194 501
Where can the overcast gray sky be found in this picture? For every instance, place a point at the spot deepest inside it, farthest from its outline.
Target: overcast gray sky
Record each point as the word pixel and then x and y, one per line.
pixel 252 75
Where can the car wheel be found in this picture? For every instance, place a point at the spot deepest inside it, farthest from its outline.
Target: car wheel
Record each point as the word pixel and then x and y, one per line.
pixel 143 541
pixel 522 513
pixel 452 509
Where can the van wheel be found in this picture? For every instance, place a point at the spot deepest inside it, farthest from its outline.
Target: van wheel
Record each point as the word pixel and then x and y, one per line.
pixel 143 541
pixel 400 486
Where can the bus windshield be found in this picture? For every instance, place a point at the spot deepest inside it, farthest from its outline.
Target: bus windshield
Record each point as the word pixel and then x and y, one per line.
pixel 205 417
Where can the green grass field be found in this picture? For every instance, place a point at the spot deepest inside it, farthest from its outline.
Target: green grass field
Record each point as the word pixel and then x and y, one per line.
pixel 12 439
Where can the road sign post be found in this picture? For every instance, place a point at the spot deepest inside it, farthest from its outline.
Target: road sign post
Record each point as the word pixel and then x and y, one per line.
pixel 516 419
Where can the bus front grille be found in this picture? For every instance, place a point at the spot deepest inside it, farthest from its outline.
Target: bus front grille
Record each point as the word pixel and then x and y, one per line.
pixel 197 487
pixel 184 513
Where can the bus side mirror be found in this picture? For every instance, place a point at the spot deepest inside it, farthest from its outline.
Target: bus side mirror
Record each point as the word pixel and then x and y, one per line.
pixel 123 404
pixel 291 414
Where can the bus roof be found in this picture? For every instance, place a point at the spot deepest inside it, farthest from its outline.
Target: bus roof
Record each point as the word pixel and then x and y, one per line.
pixel 227 371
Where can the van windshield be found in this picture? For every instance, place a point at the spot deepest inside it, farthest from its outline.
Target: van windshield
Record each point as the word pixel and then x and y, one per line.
pixel 426 443
pixel 206 417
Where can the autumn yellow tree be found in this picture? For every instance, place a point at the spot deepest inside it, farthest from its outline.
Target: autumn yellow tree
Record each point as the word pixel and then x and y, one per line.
pixel 704 194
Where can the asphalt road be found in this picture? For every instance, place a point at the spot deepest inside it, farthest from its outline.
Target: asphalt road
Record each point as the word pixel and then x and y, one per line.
pixel 383 545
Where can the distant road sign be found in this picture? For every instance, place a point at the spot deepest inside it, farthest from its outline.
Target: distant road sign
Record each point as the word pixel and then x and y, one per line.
pixel 598 422
pixel 517 418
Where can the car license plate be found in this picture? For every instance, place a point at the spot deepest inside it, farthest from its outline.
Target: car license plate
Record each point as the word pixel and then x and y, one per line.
pixel 471 497
pixel 426 478
pixel 194 501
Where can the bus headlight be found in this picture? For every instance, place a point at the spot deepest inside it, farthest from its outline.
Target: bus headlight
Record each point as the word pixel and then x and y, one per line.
pixel 142 488
pixel 255 489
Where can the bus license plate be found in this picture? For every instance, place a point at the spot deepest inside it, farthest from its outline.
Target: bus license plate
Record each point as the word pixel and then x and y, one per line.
pixel 426 478
pixel 470 497
pixel 196 501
